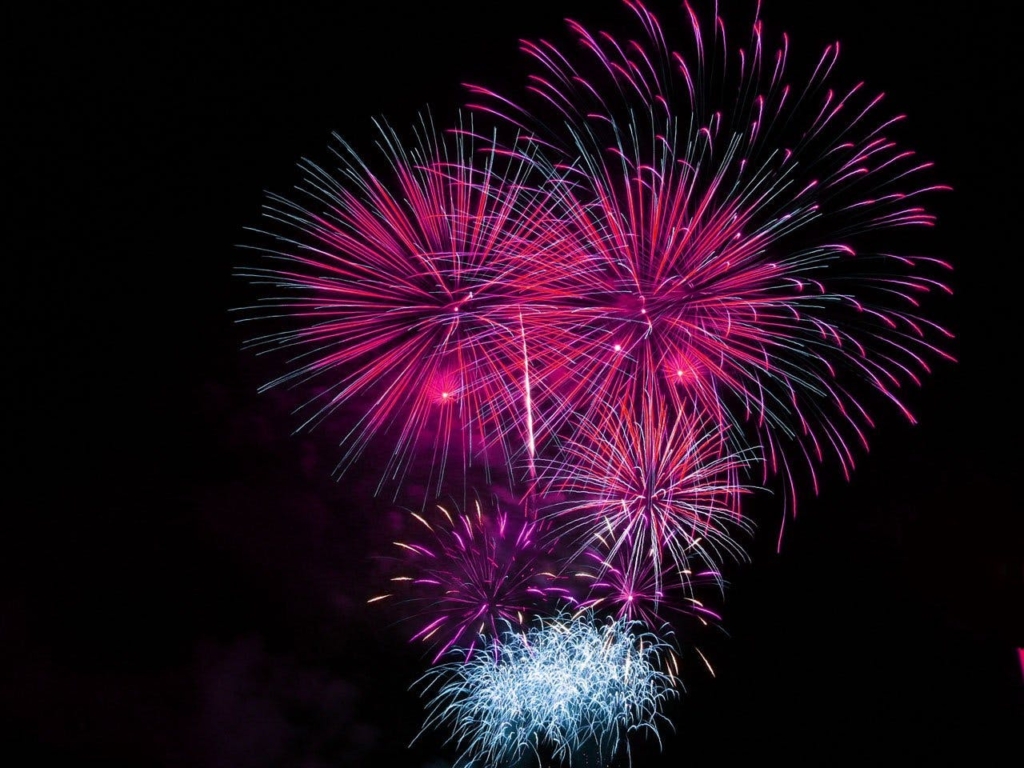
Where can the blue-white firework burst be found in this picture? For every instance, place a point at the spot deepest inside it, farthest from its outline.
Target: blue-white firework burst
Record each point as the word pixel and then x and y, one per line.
pixel 566 686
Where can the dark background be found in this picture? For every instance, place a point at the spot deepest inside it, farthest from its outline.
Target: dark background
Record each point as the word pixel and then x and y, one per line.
pixel 185 585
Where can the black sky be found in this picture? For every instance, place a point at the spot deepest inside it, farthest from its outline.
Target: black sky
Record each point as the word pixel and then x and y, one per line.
pixel 185 584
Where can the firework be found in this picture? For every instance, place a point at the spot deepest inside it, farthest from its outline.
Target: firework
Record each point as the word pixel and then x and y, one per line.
pixel 722 235
pixel 470 576
pixel 565 686
pixel 398 300
pixel 678 281
pixel 652 489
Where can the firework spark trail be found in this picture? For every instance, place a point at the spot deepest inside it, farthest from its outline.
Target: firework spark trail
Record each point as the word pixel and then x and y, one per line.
pixel 472 575
pixel 565 686
pixel 720 227
pixel 401 297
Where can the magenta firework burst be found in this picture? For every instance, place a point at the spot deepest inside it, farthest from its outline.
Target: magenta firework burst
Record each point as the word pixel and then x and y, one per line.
pixel 397 294
pixel 725 228
pixel 473 574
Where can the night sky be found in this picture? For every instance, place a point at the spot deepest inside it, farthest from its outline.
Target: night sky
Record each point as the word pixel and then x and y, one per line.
pixel 185 583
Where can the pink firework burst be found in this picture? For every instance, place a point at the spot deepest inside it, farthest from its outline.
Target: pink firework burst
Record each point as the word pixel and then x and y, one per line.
pixel 474 575
pixel 654 490
pixel 723 234
pixel 397 296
